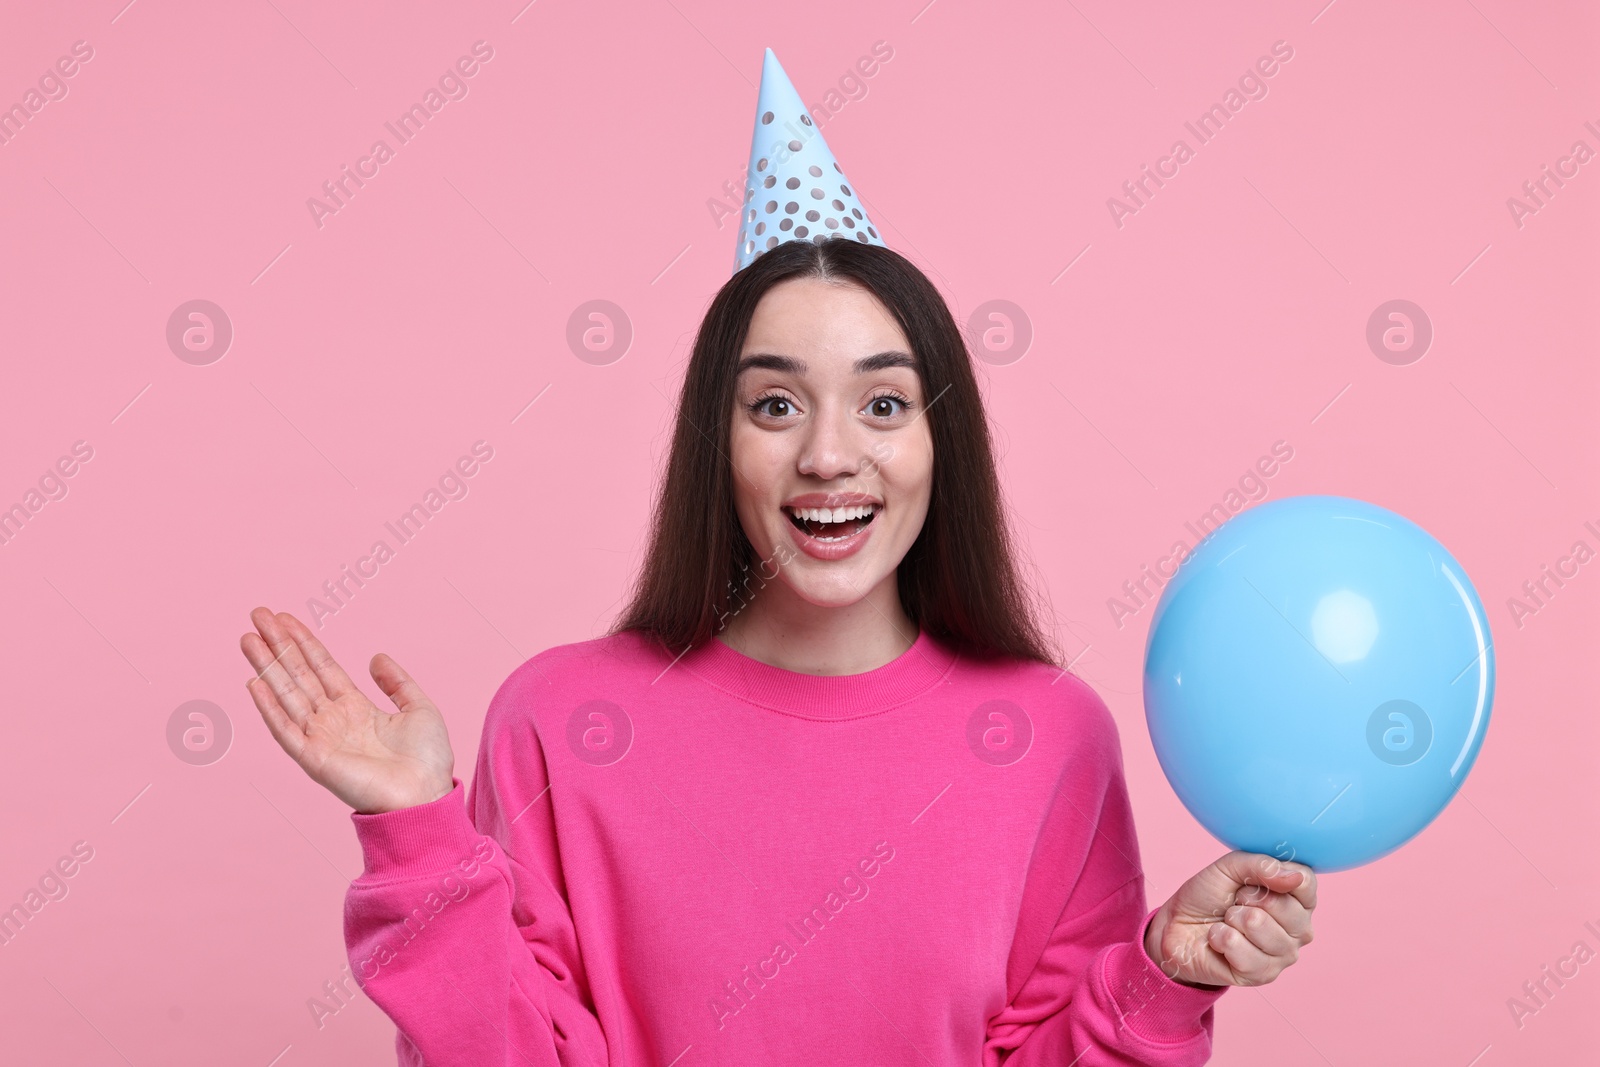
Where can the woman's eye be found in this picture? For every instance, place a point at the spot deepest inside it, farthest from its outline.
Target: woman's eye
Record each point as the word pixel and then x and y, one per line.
pixel 885 407
pixel 775 406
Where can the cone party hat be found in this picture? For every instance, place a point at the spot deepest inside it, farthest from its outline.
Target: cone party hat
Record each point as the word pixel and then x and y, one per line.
pixel 794 189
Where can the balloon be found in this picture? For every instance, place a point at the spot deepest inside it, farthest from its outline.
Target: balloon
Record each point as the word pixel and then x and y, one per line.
pixel 1317 680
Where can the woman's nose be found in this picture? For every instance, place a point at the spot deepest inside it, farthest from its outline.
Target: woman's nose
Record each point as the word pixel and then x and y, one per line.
pixel 832 447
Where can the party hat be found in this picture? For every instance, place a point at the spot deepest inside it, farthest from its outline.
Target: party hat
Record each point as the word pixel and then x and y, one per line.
pixel 794 189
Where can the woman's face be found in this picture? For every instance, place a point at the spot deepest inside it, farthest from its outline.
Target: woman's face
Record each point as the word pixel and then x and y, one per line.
pixel 832 457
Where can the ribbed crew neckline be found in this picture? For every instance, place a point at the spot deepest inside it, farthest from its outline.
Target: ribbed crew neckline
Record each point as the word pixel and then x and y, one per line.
pixel 823 696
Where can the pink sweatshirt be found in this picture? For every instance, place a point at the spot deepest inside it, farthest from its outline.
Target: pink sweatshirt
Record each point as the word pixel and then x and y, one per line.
pixel 711 860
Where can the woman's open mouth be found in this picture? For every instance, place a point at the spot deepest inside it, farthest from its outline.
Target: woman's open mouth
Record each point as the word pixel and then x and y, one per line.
pixel 832 524
pixel 831 534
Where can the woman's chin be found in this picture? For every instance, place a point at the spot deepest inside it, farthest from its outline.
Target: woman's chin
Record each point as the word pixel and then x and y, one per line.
pixel 834 585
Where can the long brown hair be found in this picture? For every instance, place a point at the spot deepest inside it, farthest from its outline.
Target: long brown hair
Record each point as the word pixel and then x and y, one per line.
pixel 959 579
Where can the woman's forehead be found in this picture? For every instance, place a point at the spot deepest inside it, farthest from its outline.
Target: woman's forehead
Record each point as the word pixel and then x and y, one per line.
pixel 813 320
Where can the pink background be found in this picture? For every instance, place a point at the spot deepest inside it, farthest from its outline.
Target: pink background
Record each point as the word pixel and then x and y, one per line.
pixel 369 353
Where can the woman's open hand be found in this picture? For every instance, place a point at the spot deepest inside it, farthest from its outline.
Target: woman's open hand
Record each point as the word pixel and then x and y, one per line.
pixel 1240 921
pixel 371 759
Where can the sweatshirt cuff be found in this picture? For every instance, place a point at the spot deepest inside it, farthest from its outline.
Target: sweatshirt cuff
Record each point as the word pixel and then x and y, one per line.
pixel 1149 1003
pixel 416 840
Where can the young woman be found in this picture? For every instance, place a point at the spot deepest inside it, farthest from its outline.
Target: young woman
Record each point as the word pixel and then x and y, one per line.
pixel 821 796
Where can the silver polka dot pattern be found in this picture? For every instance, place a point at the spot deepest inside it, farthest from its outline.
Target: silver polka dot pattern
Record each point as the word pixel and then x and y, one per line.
pixel 799 164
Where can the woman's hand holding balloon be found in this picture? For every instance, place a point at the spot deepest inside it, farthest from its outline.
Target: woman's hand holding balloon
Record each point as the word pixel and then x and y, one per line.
pixel 371 759
pixel 1240 921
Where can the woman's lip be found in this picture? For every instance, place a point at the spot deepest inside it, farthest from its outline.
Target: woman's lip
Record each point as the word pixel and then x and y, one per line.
pixel 831 500
pixel 829 551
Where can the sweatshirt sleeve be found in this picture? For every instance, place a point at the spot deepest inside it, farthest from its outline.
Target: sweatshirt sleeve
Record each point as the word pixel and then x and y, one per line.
pixel 1117 1006
pixel 1089 994
pixel 458 928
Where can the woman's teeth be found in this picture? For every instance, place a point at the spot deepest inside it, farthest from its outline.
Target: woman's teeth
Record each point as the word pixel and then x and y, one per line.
pixel 833 524
pixel 832 514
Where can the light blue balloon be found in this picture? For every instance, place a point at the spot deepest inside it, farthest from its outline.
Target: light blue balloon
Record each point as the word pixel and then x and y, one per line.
pixel 1317 681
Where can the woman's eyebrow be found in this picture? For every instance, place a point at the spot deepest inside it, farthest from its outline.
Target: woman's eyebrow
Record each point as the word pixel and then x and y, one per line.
pixel 790 365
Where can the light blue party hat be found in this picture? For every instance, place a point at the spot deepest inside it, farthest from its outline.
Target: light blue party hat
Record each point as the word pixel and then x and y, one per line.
pixel 794 189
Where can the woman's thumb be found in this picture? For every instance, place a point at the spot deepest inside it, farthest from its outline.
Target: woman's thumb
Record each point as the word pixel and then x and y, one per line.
pixel 396 684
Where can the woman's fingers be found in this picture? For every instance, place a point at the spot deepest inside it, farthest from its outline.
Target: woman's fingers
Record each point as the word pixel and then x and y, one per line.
pixel 281 686
pixel 288 653
pixel 335 682
pixel 1293 916
pixel 396 683
pixel 1249 964
pixel 288 733
pixel 1262 930
pixel 1282 876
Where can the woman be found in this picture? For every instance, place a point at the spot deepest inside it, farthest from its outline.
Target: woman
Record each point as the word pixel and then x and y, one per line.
pixel 821 796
